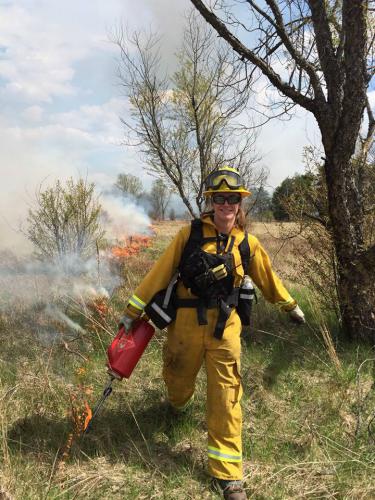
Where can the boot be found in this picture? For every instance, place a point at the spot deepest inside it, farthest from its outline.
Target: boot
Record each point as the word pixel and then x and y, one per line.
pixel 234 492
pixel 232 489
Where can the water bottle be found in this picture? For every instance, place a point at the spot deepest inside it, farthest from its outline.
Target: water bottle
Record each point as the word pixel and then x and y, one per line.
pixel 245 300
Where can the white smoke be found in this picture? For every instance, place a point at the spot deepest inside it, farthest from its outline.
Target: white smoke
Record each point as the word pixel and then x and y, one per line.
pixel 49 291
pixel 123 217
pixel 45 294
pixel 55 313
pixel 88 291
pixel 31 281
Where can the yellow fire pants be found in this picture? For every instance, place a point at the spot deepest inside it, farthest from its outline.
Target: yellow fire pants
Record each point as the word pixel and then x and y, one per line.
pixel 188 345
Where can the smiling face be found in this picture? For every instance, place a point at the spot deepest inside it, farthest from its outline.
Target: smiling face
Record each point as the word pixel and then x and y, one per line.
pixel 225 207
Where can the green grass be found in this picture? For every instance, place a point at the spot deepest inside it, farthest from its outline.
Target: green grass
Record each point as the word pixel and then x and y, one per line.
pixel 306 410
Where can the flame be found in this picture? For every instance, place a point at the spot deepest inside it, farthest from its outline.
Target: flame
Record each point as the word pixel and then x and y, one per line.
pixel 80 412
pixel 100 305
pixel 131 245
pixel 80 418
pixel 88 416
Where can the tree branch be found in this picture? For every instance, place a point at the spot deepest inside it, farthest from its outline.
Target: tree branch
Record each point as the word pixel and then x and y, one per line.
pixel 296 55
pixel 331 69
pixel 248 54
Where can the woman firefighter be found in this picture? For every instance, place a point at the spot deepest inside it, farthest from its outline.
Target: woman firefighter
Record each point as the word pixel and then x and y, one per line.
pixel 201 289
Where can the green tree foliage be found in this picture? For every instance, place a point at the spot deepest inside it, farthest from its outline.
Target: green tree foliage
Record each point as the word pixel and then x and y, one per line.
pixel 300 189
pixel 129 185
pixel 65 221
pixel 279 195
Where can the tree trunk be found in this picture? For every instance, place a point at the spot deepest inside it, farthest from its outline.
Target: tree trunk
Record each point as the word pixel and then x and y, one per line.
pixel 356 287
pixel 340 121
pixel 356 264
pixel 186 202
pixel 357 298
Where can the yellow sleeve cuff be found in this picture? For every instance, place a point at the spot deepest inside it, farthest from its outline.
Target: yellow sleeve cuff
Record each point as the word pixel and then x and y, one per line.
pixel 137 303
pixel 288 305
pixel 132 312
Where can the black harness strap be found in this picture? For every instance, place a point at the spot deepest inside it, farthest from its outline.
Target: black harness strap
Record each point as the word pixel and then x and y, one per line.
pixel 231 244
pixel 196 238
pixel 225 307
pixel 202 313
pixel 224 312
pixel 244 249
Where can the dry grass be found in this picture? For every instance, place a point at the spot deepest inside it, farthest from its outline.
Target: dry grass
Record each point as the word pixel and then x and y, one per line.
pixel 167 229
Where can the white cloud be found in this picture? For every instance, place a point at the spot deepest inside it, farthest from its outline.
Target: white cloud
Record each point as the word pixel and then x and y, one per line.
pixel 37 63
pixel 102 122
pixel 282 143
pixel 33 113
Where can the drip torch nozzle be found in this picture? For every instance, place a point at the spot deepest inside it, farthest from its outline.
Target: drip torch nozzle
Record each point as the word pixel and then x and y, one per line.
pixel 106 392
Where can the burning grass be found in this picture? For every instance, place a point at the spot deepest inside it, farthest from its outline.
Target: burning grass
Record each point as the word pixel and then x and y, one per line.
pixel 131 245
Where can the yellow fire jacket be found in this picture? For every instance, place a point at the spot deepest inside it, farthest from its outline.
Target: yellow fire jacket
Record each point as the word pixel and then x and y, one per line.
pixel 165 267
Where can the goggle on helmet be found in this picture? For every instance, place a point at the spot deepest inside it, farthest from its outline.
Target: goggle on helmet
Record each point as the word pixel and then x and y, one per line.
pixel 223 180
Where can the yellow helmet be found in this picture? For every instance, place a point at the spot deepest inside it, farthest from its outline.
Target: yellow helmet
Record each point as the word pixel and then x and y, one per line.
pixel 225 179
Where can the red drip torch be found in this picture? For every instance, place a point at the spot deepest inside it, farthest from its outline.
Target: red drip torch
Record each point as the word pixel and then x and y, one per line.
pixel 123 354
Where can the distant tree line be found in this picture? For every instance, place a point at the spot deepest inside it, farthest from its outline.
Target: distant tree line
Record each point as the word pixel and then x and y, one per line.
pixel 261 206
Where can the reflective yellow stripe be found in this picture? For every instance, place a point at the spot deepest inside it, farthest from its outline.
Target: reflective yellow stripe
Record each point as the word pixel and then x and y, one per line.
pixel 217 454
pixel 285 302
pixel 137 302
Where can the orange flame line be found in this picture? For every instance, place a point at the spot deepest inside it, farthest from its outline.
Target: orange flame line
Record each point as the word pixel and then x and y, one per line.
pixel 88 416
pixel 132 246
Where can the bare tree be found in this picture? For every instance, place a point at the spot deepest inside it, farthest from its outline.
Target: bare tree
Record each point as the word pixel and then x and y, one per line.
pixel 319 55
pixel 129 185
pixel 160 197
pixel 188 123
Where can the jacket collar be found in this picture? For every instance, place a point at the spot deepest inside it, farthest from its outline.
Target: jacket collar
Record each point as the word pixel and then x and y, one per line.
pixel 208 219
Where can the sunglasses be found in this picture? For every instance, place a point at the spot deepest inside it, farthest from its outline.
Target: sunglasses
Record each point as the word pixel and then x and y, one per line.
pixel 231 199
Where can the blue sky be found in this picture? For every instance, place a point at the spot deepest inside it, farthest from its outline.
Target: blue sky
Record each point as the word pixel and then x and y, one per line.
pixel 61 102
